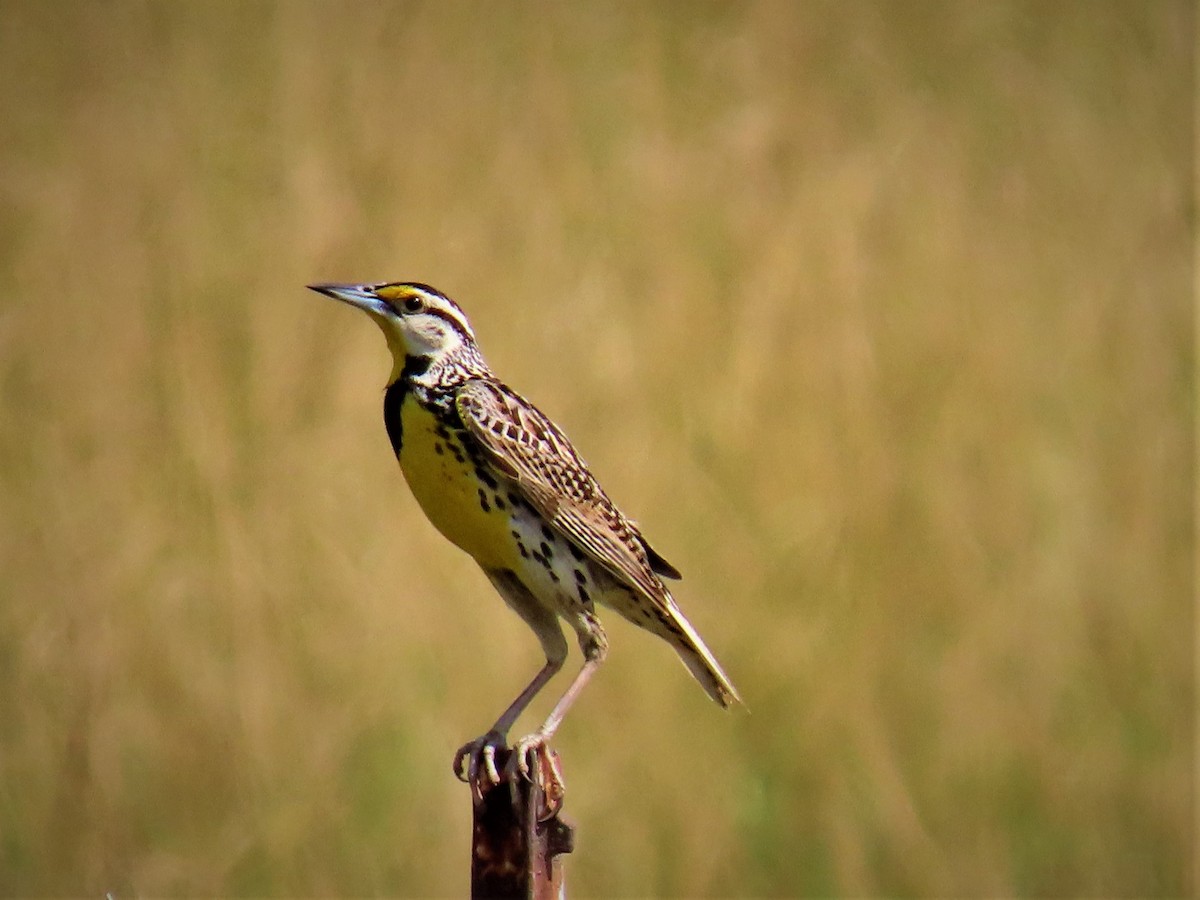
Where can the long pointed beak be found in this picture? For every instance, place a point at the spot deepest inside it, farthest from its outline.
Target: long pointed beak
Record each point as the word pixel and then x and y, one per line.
pixel 359 295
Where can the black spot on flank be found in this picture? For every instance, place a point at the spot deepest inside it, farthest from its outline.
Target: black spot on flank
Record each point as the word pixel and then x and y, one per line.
pixel 499 501
pixel 546 551
pixel 584 597
pixel 521 547
pixel 553 575
pixel 484 476
pixel 438 448
pixel 458 457
pixel 547 533
pixel 580 578
pixel 516 534
pixel 576 553
pixel 483 501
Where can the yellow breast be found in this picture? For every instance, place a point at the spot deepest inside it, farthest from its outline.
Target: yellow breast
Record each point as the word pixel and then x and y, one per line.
pixel 451 491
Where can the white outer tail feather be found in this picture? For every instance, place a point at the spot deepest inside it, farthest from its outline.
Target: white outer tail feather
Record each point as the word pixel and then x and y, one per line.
pixel 701 663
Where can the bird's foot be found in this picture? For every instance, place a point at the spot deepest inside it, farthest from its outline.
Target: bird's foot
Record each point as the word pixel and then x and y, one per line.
pixel 533 760
pixel 529 759
pixel 475 763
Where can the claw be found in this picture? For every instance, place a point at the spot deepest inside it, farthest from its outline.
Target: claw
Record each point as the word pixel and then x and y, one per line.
pixel 475 762
pixel 518 762
pixel 534 761
pixel 530 759
pixel 550 778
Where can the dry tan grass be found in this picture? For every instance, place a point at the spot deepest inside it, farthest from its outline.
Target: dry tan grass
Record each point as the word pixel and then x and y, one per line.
pixel 877 316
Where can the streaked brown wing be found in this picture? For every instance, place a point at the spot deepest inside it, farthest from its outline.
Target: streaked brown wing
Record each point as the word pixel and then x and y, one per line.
pixel 530 450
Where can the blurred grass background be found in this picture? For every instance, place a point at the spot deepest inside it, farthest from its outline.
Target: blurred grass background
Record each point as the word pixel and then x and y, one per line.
pixel 878 316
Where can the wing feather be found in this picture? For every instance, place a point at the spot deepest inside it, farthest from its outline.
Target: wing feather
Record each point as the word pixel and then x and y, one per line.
pixel 529 450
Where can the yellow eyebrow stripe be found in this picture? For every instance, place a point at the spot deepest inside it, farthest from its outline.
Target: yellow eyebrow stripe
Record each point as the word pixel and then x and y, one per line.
pixel 394 292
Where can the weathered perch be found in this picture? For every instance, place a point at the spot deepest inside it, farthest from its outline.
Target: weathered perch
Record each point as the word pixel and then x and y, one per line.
pixel 517 838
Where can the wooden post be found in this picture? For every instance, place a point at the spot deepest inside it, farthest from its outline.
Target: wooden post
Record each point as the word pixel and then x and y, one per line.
pixel 517 837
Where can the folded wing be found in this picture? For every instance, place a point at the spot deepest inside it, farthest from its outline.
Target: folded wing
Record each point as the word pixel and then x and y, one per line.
pixel 528 449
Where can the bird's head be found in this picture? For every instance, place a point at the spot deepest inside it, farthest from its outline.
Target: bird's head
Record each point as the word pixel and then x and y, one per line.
pixel 420 323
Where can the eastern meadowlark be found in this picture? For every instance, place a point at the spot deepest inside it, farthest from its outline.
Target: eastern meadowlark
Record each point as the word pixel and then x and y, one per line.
pixel 502 482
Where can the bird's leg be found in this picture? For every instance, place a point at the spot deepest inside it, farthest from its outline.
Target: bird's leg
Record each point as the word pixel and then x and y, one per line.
pixel 595 647
pixel 536 742
pixel 478 757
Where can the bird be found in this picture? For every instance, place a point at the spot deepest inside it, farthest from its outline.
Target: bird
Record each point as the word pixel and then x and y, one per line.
pixel 501 481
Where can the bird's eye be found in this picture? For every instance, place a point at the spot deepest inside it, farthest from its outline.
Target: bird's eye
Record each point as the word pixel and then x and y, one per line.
pixel 413 304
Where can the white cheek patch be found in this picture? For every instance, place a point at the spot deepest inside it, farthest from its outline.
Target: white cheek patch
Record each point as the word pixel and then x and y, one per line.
pixel 430 336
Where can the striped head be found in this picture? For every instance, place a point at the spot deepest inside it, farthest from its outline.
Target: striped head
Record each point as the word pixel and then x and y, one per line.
pixel 425 329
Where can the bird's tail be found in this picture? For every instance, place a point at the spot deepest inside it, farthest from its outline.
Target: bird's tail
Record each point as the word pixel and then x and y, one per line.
pixel 701 663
